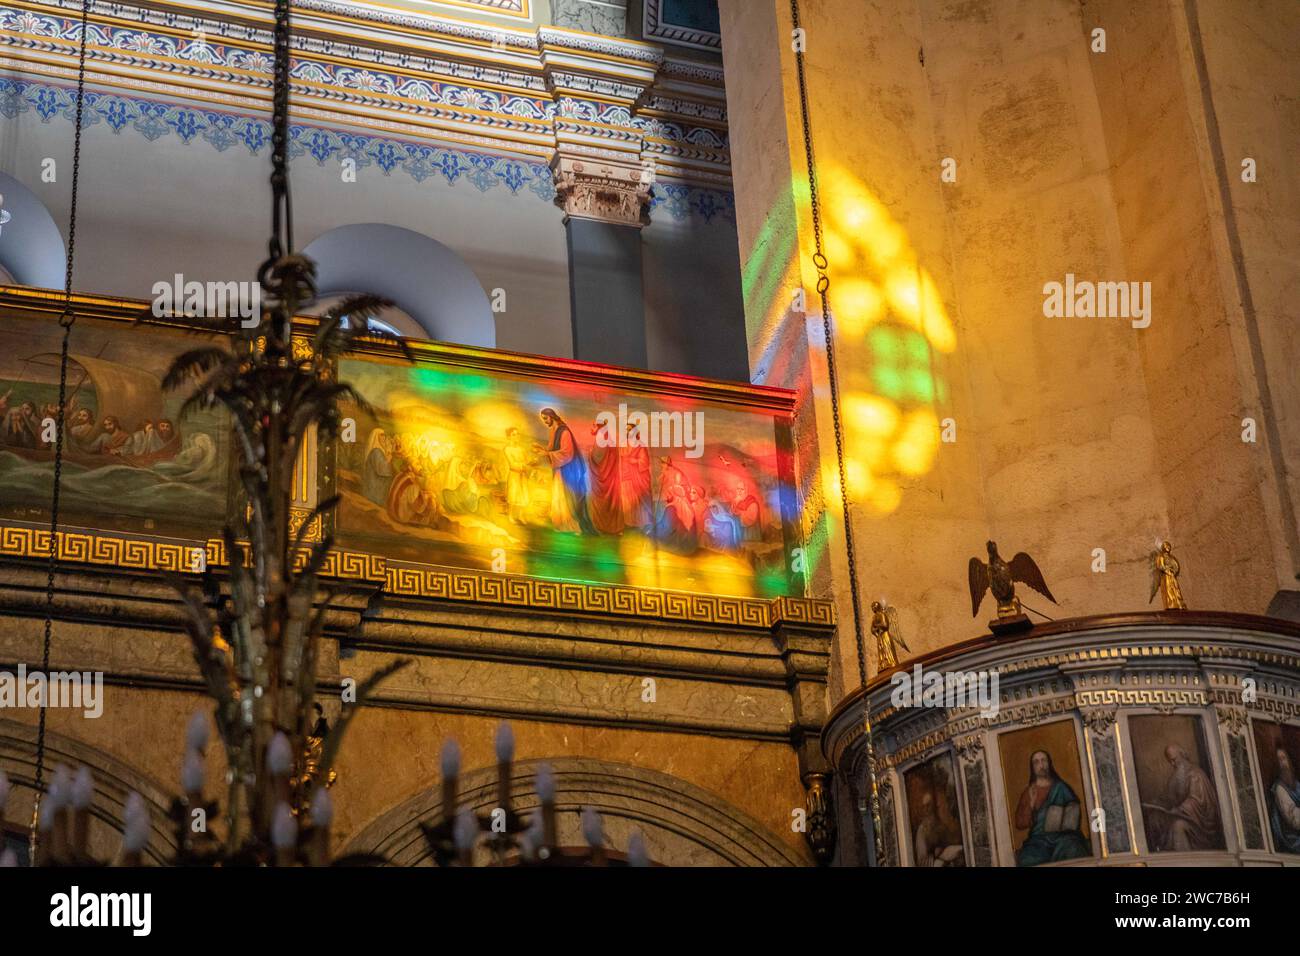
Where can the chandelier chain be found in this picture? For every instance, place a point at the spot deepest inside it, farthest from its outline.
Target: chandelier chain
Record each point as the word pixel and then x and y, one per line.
pixel 828 332
pixel 281 206
pixel 66 320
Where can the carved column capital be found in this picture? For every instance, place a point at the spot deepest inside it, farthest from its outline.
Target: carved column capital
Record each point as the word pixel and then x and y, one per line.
pixel 970 749
pixel 603 189
pixel 1234 720
pixel 1099 719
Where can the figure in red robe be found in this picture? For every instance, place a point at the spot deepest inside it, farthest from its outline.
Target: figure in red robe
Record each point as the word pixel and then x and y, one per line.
pixel 620 486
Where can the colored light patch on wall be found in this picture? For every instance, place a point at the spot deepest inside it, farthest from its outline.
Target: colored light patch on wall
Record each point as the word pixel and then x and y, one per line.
pixel 892 333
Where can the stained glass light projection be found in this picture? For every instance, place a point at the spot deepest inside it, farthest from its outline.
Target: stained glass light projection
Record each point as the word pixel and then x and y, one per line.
pixel 892 335
pixel 893 328
pixel 567 475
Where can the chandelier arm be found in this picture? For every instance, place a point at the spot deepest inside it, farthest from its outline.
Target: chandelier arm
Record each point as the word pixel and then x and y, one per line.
pixel 828 332
pixel 66 320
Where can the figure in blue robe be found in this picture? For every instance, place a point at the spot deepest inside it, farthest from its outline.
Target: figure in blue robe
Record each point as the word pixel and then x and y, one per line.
pixel 1050 810
pixel 569 476
pixel 1284 806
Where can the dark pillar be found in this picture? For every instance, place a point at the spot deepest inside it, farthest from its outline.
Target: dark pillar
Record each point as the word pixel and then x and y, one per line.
pixel 606 303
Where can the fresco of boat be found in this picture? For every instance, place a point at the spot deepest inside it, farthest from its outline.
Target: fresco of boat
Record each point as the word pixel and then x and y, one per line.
pixel 131 395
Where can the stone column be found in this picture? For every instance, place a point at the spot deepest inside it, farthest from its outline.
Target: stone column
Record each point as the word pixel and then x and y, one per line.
pixel 604 203
pixel 1227 680
pixel 1103 751
pixel 970 751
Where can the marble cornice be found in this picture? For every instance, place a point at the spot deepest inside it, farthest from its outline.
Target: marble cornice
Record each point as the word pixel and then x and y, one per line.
pixel 1158 658
pixel 511 89
pixel 48 303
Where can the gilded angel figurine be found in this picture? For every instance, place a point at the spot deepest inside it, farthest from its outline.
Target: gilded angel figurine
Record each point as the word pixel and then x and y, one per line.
pixel 1164 578
pixel 884 627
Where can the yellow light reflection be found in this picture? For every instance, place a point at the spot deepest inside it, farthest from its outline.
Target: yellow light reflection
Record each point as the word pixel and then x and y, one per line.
pixel 891 324
pixel 918 440
pixel 650 567
pixel 858 305
pixel 870 414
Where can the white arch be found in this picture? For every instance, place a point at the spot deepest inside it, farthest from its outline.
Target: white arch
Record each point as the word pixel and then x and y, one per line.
pixel 31 246
pixel 424 278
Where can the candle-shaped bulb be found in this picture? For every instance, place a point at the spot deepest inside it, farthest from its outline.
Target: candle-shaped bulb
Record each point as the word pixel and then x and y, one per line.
pixel 279 756
pixel 505 742
pixel 83 789
pixel 450 758
pixel 322 808
pixel 49 809
pixel 135 834
pixel 636 851
pixel 192 773
pixel 284 828
pixel 531 839
pixel 60 787
pixel 546 783
pixel 465 831
pixel 197 733
pixel 593 830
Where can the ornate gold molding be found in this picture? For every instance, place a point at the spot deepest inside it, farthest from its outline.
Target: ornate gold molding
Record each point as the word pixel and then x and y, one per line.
pixel 480 587
pixel 432 582
pixel 85 547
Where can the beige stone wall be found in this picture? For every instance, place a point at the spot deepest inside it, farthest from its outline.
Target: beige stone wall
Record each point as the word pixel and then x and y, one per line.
pixel 1072 433
pixel 394 755
pixel 875 158
pixel 1252 72
pixel 736 711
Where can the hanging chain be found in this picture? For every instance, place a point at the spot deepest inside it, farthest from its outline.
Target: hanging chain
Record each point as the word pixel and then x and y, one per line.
pixel 281 208
pixel 66 320
pixel 828 332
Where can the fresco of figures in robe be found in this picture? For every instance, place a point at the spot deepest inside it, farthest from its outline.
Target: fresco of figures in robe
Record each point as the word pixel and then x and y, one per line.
pixel 1278 747
pixel 1180 802
pixel 1043 777
pixel 129 462
pixel 934 814
pixel 560 480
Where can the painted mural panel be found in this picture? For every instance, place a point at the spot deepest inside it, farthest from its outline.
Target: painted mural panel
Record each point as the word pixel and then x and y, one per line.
pixel 933 813
pixel 1180 804
pixel 1278 747
pixel 560 479
pixel 131 463
pixel 1043 778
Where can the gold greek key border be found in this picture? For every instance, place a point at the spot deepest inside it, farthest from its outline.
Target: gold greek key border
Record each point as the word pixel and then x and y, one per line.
pixel 436 583
pixel 83 547
pixel 429 581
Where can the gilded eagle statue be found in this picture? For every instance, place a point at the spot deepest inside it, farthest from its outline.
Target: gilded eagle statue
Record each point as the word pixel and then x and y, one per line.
pixel 999 577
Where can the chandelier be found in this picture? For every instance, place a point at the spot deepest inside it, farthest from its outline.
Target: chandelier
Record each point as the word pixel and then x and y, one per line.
pixel 256 640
